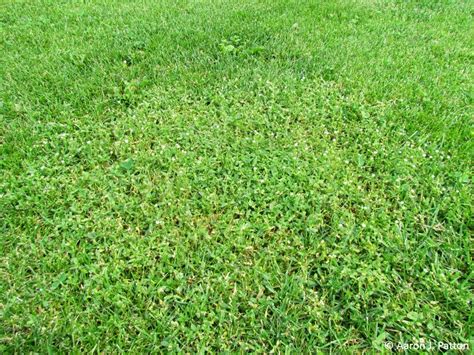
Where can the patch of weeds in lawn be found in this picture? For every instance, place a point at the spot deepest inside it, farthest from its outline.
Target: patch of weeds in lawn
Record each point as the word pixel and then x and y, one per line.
pixel 234 176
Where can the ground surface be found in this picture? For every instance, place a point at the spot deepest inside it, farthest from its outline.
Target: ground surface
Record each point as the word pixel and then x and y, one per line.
pixel 235 175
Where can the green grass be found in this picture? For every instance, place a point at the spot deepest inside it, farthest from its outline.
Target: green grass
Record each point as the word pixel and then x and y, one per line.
pixel 235 175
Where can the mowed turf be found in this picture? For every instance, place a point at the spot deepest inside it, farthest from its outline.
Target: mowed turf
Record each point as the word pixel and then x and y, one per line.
pixel 235 175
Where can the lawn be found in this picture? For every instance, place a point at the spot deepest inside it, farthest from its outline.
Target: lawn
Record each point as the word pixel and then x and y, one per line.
pixel 235 176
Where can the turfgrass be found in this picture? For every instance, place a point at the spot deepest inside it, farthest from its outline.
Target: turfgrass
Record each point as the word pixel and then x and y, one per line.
pixel 235 175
